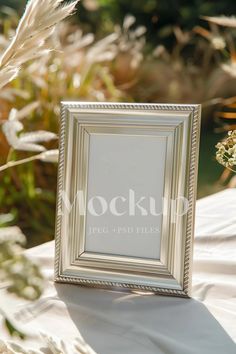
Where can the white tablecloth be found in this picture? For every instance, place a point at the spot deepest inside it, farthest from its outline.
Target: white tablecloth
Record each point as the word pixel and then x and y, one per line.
pixel 121 323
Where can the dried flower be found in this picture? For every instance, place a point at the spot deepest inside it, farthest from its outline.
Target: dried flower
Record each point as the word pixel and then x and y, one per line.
pixel 29 42
pixel 49 156
pixel 24 141
pixel 4 349
pixel 217 41
pixel 226 21
pixel 230 68
pixel 226 151
pixel 129 20
pixel 50 344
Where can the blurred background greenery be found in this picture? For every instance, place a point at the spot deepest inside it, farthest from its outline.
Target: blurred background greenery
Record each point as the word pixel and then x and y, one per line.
pixel 165 53
pixel 99 16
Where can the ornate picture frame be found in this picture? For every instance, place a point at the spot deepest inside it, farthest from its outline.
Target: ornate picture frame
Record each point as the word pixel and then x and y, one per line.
pixel 111 153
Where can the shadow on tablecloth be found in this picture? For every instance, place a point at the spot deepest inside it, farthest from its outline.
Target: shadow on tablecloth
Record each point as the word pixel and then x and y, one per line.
pixel 115 322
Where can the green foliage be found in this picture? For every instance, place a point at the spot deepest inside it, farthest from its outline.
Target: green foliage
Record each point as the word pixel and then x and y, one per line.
pixel 26 195
pixel 22 276
pixel 12 330
pixel 157 15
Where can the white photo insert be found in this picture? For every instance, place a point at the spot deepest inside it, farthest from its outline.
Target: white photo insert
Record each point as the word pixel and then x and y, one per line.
pixel 125 181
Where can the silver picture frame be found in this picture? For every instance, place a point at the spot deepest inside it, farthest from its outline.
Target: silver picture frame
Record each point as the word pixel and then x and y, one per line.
pixel 105 149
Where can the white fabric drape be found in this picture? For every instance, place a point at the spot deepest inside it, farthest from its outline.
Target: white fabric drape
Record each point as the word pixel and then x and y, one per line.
pixel 120 323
